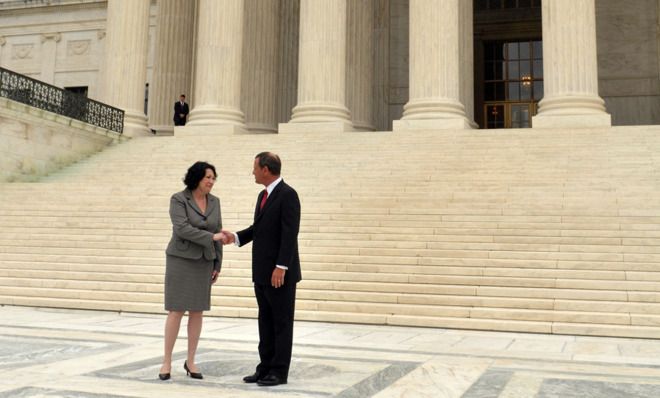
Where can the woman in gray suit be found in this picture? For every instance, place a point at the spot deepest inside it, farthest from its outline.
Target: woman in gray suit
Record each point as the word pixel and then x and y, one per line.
pixel 193 260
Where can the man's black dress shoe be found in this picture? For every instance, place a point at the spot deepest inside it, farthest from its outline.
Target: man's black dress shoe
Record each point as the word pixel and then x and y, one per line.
pixel 252 378
pixel 271 380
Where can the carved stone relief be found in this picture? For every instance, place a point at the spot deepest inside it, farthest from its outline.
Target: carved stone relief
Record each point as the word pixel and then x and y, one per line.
pixel 22 51
pixel 78 47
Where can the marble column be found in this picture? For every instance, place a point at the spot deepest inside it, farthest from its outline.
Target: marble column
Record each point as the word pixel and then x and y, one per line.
pixel 259 84
pixel 49 56
pixel 441 67
pixel 218 52
pixel 172 71
pixel 125 65
pixel 570 67
pixel 321 69
pixel 360 63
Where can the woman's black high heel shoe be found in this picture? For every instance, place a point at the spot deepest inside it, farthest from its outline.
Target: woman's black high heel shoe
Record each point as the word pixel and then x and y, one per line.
pixel 164 376
pixel 194 375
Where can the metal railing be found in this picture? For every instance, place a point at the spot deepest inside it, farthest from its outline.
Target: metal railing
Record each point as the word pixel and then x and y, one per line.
pixel 42 95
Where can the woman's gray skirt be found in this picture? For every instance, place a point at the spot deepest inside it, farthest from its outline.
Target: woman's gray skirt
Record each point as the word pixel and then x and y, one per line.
pixel 187 284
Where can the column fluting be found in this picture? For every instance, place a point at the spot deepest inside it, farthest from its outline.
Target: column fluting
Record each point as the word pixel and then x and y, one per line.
pixel 570 67
pixel 321 68
pixel 441 66
pixel 218 52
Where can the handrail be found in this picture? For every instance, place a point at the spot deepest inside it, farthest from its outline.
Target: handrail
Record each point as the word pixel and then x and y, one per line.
pixel 45 96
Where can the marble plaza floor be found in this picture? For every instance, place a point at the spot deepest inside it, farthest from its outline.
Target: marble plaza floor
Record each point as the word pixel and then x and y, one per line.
pixel 70 353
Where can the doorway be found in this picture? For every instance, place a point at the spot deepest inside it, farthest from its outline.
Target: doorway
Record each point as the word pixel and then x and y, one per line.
pixel 508 62
pixel 513 83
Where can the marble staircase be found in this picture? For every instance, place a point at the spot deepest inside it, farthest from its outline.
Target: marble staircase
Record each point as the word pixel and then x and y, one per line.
pixel 550 231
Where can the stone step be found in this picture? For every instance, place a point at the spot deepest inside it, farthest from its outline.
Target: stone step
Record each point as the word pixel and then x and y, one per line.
pixel 151 241
pixel 404 255
pixel 153 283
pixel 393 228
pixel 559 311
pixel 348 217
pixel 151 303
pixel 450 266
pixel 462 233
pixel 502 277
pixel 444 258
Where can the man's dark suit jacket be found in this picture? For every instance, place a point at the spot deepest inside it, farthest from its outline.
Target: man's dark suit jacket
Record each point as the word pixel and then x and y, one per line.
pixel 178 110
pixel 274 234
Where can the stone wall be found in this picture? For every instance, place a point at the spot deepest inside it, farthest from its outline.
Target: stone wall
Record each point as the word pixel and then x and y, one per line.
pixel 628 60
pixel 34 142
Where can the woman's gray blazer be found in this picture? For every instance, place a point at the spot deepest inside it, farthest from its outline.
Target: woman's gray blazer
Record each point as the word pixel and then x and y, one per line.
pixel 192 230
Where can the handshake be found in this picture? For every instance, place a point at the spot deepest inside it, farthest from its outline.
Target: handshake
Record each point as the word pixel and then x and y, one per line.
pixel 224 236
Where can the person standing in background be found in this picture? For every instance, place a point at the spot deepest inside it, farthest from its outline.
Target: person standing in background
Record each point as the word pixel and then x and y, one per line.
pixel 181 111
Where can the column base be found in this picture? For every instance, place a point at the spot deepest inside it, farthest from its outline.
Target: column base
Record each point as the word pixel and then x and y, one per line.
pixel 363 126
pixel 261 128
pixel 571 110
pixel 459 123
pixel 320 112
pixel 214 115
pixel 541 121
pixel 223 129
pixel 135 124
pixel 433 114
pixel 315 127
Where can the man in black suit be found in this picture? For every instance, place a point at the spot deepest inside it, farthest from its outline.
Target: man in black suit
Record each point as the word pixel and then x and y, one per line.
pixel 181 111
pixel 275 268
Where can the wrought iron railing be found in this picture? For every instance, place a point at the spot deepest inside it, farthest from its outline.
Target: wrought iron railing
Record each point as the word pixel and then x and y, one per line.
pixel 42 95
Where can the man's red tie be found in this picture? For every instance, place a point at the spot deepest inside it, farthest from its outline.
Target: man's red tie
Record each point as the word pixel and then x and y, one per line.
pixel 263 200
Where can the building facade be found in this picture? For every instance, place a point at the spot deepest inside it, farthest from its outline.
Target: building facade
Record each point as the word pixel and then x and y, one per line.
pixel 268 66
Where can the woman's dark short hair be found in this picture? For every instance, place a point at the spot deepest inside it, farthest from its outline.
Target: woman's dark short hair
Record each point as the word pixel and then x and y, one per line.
pixel 270 160
pixel 196 173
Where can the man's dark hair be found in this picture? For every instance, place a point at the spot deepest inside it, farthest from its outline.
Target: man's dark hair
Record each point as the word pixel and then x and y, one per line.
pixel 270 160
pixel 196 173
pixel 182 95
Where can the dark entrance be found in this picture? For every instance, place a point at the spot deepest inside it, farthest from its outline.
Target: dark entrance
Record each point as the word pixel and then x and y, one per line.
pixel 508 62
pixel 513 83
pixel 74 102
